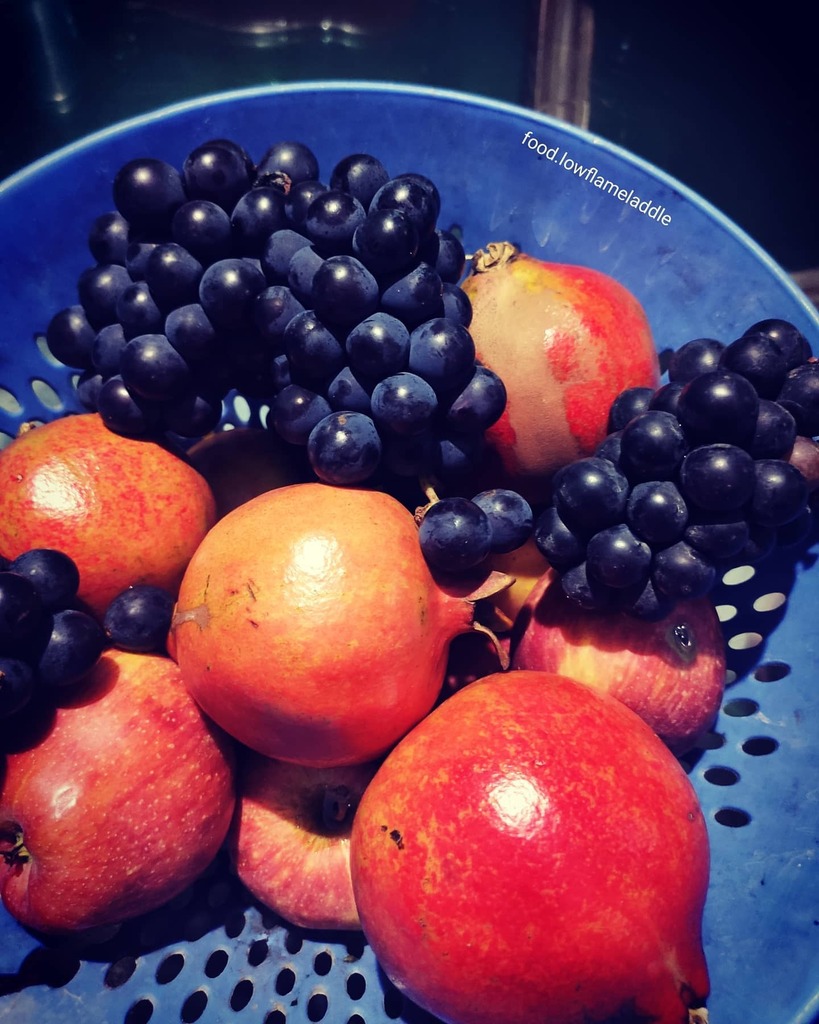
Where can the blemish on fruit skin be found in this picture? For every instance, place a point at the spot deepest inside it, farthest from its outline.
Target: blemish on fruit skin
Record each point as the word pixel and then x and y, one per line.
pixel 198 615
pixel 397 838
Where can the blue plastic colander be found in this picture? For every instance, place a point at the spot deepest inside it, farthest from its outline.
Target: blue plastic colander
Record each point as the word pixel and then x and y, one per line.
pixel 214 954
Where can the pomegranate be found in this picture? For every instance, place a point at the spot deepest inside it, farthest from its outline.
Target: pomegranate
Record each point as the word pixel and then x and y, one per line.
pixel 310 628
pixel 125 509
pixel 670 672
pixel 549 861
pixel 565 340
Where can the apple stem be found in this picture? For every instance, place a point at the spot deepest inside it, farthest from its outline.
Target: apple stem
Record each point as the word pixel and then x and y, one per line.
pixel 336 807
pixel 698 1016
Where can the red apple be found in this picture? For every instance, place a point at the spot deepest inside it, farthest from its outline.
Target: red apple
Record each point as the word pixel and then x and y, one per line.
pixel 290 840
pixel 119 806
pixel 531 851
pixel 670 672
pixel 126 510
pixel 565 340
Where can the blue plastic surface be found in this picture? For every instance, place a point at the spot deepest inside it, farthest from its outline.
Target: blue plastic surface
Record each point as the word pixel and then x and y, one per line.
pixel 215 955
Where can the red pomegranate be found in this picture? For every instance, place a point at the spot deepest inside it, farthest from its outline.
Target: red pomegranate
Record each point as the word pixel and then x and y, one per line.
pixel 310 627
pixel 531 851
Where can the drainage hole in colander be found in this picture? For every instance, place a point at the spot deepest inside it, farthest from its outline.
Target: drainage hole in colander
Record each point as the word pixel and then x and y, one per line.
pixel 139 1012
pixel 771 671
pixel 235 924
pixel 241 994
pixel 216 963
pixel 120 971
pixel 356 1019
pixel 760 746
pixel 285 980
pixel 293 943
pixel 740 707
pixel 732 817
pixel 317 1007
pixel 46 395
pixel 257 954
pixel 720 776
pixel 194 1006
pixel 276 1017
pixel 9 403
pixel 323 963
pixel 356 985
pixel 745 641
pixel 170 968
pixel 393 1002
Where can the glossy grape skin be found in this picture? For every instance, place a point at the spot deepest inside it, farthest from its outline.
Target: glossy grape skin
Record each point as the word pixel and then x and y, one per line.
pixel 346 391
pixel 273 310
pixel 296 410
pixel 218 172
pixel 138 619
pixel 193 414
pixel 718 536
pixel 559 545
pixel 695 357
pixel 378 346
pixel 360 174
pixel 53 574
pixel 75 642
pixel 793 344
pixel 682 573
pixel 800 396
pixel 386 241
pixel 293 158
pixel 450 258
pixel 88 386
pixel 628 404
pixel 108 238
pixel 652 446
pixel 443 353
pixel 719 406
pixel 70 337
pixel 311 348
pixel 227 292
pixel 21 610
pixel 107 349
pixel 455 534
pixel 457 454
pixel 590 494
pixel 192 334
pixel 137 312
pixel 344 291
pixel 415 296
pixel 774 433
pixel 413 196
pixel 152 368
pixel 147 192
pixel 656 511
pixel 581 587
pixel 717 477
pixel 510 517
pixel 331 221
pixel 301 272
pixel 617 558
pixel 404 403
pixel 122 412
pixel 99 289
pixel 780 494
pixel 609 447
pixel 760 360
pixel 344 448
pixel 479 404
pixel 204 229
pixel 17 685
pixel 456 304
pixel 173 276
pixel 136 258
pixel 277 253
pixel 667 397
pixel 298 199
pixel 254 218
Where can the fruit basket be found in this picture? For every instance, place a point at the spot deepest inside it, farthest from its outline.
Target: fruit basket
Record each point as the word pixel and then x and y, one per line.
pixel 215 954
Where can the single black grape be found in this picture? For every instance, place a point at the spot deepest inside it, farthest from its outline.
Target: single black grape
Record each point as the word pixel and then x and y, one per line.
pixel 331 221
pixel 656 511
pixel 311 347
pixel 559 545
pixel 718 406
pixel 124 413
pixel 413 195
pixel 203 228
pixel 344 448
pixel 192 334
pixel 450 257
pixel 107 349
pixel 137 311
pixel 53 573
pixel 74 644
pixel 70 337
pixel 99 289
pixel 443 353
pixel 295 159
pixel 193 413
pixel 346 391
pixel 667 397
pixel 378 346
pixel 228 290
pixel 296 410
pixel 301 272
pixel 793 344
pixel 147 192
pixel 217 171
pixel 800 396
pixel 456 304
pixel 717 477
pixel 510 517
pixel 682 573
pixel 590 494
pixel 581 587
pixel 153 369
pixel 774 433
pixel 618 558
pixel 628 404
pixel 780 494
pixel 173 276
pixel 695 357
pixel 759 359
pixel 277 253
pixel 455 534
pixel 652 446
pixel 297 201
pixel 479 404
pixel 360 174
pixel 404 403
pixel 273 310
pixel 138 619
pixel 386 242
pixel 414 296
pixel 719 536
pixel 254 218
pixel 108 237
pixel 344 292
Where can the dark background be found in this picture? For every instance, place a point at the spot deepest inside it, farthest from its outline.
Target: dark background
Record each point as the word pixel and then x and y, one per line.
pixel 723 100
